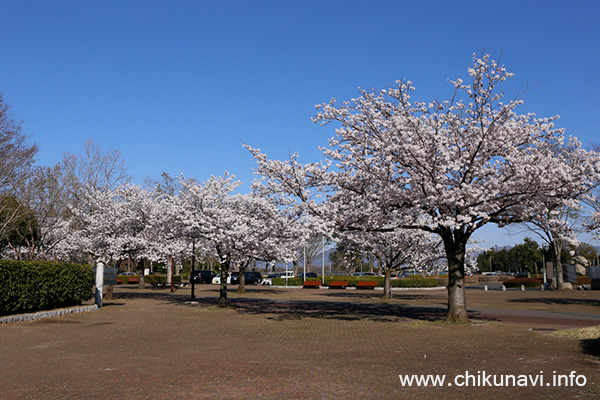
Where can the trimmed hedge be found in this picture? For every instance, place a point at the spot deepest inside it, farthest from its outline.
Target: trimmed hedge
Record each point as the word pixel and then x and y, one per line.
pixel 406 282
pixel 30 286
pixel 159 279
pixel 527 282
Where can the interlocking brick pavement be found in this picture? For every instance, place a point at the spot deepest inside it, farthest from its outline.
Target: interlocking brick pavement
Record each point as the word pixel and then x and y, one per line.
pixel 286 344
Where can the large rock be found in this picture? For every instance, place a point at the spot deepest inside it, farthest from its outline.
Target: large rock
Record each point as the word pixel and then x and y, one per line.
pixel 566 286
pixel 580 263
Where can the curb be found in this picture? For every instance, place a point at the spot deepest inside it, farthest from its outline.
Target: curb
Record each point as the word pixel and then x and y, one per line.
pixel 46 314
pixel 396 289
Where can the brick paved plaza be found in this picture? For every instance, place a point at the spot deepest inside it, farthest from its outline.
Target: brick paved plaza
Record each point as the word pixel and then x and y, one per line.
pixel 297 344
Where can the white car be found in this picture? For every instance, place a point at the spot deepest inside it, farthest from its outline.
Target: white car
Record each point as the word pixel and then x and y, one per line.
pixel 287 274
pixel 269 279
pixel 217 279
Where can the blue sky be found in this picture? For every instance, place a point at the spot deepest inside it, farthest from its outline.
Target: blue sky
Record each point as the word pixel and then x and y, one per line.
pixel 177 86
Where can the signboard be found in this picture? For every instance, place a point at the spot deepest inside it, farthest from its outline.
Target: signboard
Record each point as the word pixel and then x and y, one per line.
pixel 549 270
pixel 569 274
pixel 593 272
pixel 110 276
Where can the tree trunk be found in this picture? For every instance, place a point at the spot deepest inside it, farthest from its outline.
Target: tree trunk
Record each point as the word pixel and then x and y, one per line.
pixel 223 286
pixel 387 284
pixel 558 271
pixel 242 279
pixel 455 244
pixel 141 283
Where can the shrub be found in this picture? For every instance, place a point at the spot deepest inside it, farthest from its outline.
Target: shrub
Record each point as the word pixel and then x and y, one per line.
pixel 160 279
pixel 29 286
pixel 487 278
pixel 527 282
pixel 582 280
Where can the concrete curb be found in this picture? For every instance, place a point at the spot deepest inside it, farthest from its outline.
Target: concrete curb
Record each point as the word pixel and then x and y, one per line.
pixel 46 314
pixel 396 289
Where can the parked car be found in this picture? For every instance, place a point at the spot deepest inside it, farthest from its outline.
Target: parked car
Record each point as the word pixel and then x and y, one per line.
pixel 287 274
pixel 251 278
pixel 254 277
pixel 217 279
pixel 127 273
pixel 308 275
pixel 202 276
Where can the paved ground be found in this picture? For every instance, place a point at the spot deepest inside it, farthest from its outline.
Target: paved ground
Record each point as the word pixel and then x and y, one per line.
pixel 292 343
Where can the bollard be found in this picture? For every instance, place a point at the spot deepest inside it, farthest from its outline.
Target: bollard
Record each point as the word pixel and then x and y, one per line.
pixel 503 288
pixel 522 288
pixel 485 288
pixel 99 283
pixel 542 287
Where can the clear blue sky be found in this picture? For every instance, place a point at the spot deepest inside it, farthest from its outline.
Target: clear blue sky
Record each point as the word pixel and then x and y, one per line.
pixel 177 86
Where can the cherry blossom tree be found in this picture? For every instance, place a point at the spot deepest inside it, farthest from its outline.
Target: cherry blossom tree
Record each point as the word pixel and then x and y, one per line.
pixel 397 249
pixel 557 228
pixel 236 228
pixel 122 223
pixel 593 201
pixel 445 167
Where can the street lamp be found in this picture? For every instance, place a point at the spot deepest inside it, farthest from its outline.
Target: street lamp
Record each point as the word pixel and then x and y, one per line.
pixel 193 267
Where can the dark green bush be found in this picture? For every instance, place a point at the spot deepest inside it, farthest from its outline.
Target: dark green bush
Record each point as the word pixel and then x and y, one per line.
pixel 160 279
pixel 527 282
pixel 29 286
pixel 406 282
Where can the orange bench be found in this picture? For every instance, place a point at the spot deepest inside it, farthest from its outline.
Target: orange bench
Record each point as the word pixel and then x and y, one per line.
pixel 311 284
pixel 366 285
pixel 128 279
pixel 338 284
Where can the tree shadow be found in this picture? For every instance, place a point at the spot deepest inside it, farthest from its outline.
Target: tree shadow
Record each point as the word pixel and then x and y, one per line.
pixel 282 310
pixel 591 346
pixel 371 294
pixel 563 301
pixel 335 310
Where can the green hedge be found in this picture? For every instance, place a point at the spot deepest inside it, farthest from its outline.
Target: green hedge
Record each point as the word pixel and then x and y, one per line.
pixel 159 279
pixel 406 282
pixel 30 286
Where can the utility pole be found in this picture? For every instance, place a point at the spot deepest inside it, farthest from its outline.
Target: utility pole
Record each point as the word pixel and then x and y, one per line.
pixel 193 268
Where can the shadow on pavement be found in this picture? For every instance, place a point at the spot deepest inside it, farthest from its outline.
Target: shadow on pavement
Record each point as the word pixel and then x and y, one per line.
pixel 591 346
pixel 335 310
pixel 550 301
pixel 281 310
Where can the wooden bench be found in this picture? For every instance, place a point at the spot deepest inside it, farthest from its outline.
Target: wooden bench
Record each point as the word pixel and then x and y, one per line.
pixel 311 284
pixel 128 279
pixel 338 284
pixel 366 285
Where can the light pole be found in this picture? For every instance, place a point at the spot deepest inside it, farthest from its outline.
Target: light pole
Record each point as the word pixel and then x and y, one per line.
pixel 323 263
pixel 193 267
pixel 304 263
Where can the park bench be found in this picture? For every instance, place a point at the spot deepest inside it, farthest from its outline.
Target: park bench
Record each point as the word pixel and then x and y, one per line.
pixel 311 284
pixel 366 285
pixel 338 284
pixel 128 279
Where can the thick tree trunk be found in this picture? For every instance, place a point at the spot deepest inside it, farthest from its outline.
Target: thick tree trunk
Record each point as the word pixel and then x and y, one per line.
pixel 141 283
pixel 223 286
pixel 242 281
pixel 455 244
pixel 387 284
pixel 558 271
